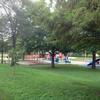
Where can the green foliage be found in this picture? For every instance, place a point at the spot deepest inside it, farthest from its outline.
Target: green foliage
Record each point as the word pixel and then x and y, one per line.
pixel 74 24
pixel 87 24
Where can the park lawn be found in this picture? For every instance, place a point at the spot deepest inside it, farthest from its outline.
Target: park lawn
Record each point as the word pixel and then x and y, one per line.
pixel 65 82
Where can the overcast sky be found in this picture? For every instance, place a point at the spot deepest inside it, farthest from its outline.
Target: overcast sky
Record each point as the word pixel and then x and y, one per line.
pixel 47 2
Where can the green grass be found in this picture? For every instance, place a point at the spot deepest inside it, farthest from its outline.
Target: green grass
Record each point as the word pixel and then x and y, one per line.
pixel 65 82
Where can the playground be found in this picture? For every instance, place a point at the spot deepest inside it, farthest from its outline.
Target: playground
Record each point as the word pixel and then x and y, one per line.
pixel 49 49
pixel 59 58
pixel 39 59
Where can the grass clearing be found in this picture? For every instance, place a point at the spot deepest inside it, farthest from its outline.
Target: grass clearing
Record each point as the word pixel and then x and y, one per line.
pixel 40 82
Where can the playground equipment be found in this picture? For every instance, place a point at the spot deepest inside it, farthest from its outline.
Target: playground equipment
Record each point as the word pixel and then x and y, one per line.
pixel 97 61
pixel 34 58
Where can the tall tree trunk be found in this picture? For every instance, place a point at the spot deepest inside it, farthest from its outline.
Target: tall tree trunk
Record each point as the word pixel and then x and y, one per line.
pixel 85 55
pixel 52 57
pixel 2 51
pixel 13 60
pixel 23 58
pixel 2 56
pixel 93 59
pixel 52 60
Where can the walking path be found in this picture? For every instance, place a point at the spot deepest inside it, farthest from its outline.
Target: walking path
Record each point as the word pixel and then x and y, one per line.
pixel 82 63
pixel 48 62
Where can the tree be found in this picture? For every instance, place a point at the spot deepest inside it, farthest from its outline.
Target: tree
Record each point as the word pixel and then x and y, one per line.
pixel 86 20
pixel 9 8
pixel 39 17
pixel 60 28
pixel 83 18
pixel 3 35
pixel 17 19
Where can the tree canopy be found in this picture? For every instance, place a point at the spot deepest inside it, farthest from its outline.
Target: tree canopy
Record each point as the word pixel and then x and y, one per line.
pixel 60 25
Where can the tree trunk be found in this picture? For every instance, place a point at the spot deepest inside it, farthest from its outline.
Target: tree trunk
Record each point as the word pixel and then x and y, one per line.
pixel 52 61
pixel 85 55
pixel 2 56
pixel 13 60
pixel 23 58
pixel 93 59
pixel 52 57
pixel 2 47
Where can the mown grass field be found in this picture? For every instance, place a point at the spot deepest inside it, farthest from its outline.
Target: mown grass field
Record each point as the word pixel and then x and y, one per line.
pixel 65 82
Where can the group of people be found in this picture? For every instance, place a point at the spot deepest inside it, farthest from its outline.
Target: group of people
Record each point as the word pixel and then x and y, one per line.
pixel 59 58
pixel 62 58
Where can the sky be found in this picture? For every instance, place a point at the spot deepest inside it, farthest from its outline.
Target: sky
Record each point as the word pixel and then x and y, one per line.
pixel 35 0
pixel 47 2
pixel 2 11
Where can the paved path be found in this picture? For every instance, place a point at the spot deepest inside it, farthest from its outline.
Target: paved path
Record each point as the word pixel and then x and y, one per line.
pixel 72 62
pixel 82 63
